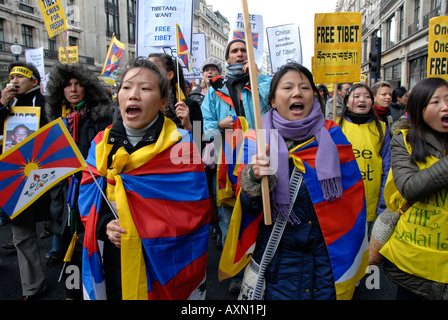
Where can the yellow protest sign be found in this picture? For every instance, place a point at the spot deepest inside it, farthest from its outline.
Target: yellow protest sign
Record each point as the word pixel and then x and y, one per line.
pixel 438 48
pixel 337 47
pixel 54 16
pixel 72 55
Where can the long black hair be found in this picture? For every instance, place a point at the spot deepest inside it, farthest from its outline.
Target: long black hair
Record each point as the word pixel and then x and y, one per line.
pixel 144 63
pixel 170 65
pixel 371 114
pixel 418 100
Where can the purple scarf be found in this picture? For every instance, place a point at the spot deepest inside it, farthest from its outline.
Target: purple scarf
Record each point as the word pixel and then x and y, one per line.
pixel 327 157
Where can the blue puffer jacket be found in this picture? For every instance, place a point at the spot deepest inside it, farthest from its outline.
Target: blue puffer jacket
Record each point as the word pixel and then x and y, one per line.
pixel 300 268
pixel 218 105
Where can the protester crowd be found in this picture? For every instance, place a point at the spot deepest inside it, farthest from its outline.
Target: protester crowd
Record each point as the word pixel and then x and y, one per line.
pixel 357 154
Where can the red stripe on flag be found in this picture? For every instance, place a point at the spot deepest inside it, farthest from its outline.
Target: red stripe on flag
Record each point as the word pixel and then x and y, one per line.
pixel 352 201
pixel 182 285
pixel 9 191
pixel 163 218
pixel 60 143
pixel 247 239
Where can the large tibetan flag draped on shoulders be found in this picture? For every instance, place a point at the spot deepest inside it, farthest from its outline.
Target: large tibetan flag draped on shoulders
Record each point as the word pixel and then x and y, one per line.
pixel 344 220
pixel 161 196
pixel 114 55
pixel 35 165
pixel 182 50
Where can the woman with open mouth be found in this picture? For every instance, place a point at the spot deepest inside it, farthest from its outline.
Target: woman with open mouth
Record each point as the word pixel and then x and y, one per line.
pixel 416 252
pixel 371 145
pixel 317 197
pixel 154 220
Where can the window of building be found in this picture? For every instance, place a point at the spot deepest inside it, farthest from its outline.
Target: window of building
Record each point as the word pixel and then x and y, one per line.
pixel 436 4
pixel 391 34
pixel 417 11
pixel 401 24
pixel 131 20
pixel 418 70
pixel 112 18
pixel 27 36
pixel 72 41
pixel 2 34
pixel 52 44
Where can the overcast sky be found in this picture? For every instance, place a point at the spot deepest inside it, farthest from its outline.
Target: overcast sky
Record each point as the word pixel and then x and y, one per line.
pixel 279 12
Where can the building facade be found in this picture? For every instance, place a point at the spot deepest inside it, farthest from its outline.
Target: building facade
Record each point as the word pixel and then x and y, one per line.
pixel 403 27
pixel 91 26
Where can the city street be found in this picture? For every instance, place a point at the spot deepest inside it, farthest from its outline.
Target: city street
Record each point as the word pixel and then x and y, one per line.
pixel 10 288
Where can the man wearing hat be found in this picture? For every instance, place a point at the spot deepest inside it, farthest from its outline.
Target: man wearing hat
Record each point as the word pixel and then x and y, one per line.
pixel 227 97
pixel 23 90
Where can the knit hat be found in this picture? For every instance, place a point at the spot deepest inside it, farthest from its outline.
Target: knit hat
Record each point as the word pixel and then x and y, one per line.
pixel 212 62
pixel 230 44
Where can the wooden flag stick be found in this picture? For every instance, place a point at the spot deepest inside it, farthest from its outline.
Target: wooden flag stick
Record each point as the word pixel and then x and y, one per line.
pixel 65 48
pixel 257 110
pixel 335 98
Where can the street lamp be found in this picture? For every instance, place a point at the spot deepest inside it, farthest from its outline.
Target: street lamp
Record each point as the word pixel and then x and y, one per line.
pixel 16 51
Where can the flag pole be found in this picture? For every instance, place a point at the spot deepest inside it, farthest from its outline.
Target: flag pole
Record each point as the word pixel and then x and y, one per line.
pixel 257 110
pixel 65 48
pixel 335 97
pixel 179 99
pixel 104 196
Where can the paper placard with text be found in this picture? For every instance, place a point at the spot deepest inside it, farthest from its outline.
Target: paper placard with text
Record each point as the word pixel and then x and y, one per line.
pixel 156 25
pixel 284 45
pixel 72 52
pixel 54 16
pixel 438 48
pixel 337 47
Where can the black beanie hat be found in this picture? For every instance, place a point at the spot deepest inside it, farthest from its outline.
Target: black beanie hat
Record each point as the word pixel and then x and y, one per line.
pixel 230 44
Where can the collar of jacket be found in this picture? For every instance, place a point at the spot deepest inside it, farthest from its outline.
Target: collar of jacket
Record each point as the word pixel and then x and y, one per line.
pixel 26 99
pixel 118 137
pixel 219 83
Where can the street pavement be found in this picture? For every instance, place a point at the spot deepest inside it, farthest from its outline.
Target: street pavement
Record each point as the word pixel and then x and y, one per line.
pixel 10 288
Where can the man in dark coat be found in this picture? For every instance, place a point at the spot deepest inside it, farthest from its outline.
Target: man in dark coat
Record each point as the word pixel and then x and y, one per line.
pixel 24 90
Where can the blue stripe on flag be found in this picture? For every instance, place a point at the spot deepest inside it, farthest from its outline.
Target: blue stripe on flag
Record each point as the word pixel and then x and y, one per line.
pixel 55 133
pixel 166 257
pixel 160 186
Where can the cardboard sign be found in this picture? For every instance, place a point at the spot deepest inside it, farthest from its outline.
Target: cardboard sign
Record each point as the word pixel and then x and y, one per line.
pixel 284 45
pixel 337 47
pixel 72 55
pixel 54 16
pixel 438 48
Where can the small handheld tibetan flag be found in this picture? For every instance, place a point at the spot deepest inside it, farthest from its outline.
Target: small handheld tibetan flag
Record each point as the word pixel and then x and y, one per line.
pixel 114 55
pixel 182 49
pixel 35 165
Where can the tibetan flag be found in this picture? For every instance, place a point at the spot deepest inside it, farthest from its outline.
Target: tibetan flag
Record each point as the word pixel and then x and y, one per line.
pixel 237 150
pixel 344 220
pixel 114 55
pixel 35 165
pixel 243 228
pixel 242 35
pixel 182 50
pixel 161 196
